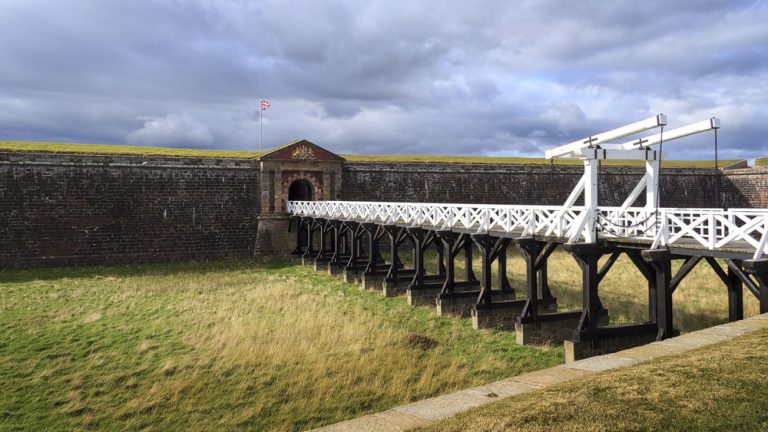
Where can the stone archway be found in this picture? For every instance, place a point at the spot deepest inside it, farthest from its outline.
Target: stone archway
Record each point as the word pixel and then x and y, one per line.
pixel 300 190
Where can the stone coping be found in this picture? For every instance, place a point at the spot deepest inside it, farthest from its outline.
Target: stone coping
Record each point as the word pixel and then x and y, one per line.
pixel 424 412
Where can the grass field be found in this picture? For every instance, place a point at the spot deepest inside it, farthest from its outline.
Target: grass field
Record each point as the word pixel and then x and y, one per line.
pixel 761 162
pixel 103 149
pixel 262 345
pixel 243 345
pixel 718 388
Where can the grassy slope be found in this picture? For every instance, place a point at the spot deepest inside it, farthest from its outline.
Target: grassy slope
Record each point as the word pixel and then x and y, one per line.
pixel 180 152
pixel 225 345
pixel 762 162
pixel 105 149
pixel 718 388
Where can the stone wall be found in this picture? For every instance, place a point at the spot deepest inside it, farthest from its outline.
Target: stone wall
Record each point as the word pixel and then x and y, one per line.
pixel 752 184
pixel 65 210
pixel 537 184
pixel 84 210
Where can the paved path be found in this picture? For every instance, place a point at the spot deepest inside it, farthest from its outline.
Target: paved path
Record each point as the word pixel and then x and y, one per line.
pixel 431 410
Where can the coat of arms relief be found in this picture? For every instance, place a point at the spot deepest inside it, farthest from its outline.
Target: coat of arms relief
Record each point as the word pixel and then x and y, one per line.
pixel 303 152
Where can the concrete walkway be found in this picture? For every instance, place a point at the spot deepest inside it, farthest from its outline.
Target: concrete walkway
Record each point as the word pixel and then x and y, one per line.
pixel 431 410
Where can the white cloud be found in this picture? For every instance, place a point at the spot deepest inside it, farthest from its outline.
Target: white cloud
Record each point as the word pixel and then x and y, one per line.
pixel 173 130
pixel 440 77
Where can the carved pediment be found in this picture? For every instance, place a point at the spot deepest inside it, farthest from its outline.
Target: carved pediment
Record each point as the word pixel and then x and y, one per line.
pixel 300 150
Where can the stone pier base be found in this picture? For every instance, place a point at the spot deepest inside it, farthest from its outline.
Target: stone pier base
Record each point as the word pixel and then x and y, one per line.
pixel 461 303
pixel 321 266
pixel 392 289
pixel 424 296
pixel 353 276
pixel 372 281
pixel 605 345
pixel 336 269
pixel 502 315
pixel 552 328
pixel 395 287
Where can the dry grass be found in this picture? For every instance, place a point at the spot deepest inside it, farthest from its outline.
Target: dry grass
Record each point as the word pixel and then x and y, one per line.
pixel 264 346
pixel 226 346
pixel 719 388
pixel 109 149
pixel 115 149
pixel 521 161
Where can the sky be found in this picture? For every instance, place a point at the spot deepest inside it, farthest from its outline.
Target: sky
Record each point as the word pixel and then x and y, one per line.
pixel 483 77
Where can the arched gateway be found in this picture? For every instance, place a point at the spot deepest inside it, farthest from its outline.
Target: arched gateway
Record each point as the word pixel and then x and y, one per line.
pixel 300 171
pixel 300 190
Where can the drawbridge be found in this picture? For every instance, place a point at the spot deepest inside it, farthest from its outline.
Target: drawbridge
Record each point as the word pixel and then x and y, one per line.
pixel 353 237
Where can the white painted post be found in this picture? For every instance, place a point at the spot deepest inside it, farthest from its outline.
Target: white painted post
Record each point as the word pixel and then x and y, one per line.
pixel 590 199
pixel 652 183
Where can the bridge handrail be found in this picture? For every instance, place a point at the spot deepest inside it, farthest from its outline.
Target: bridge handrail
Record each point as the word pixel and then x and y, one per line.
pixel 708 227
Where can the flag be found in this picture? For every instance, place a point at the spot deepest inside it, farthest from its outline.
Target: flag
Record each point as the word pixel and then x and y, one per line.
pixel 264 104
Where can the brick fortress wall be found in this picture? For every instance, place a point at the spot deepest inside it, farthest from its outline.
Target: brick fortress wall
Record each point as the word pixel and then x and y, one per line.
pixel 84 210
pixel 543 184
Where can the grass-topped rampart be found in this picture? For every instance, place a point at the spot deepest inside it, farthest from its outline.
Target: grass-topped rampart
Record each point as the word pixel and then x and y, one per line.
pixel 105 149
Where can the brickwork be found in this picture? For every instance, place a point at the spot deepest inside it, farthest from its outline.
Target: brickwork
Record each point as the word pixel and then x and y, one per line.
pixel 752 184
pixel 537 184
pixel 78 210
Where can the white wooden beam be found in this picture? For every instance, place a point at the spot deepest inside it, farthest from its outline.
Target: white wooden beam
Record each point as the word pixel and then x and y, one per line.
pixel 630 129
pixel 681 132
pixel 607 154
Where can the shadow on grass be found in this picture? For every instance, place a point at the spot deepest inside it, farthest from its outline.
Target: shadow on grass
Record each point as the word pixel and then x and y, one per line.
pixel 152 269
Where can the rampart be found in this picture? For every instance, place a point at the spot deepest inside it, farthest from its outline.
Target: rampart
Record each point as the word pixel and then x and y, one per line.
pixel 63 209
pixel 85 210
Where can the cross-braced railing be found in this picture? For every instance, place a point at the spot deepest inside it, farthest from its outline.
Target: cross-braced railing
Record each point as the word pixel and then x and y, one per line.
pixel 710 228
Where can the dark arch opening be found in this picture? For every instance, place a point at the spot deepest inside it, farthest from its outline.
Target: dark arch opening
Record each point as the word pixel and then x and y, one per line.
pixel 300 190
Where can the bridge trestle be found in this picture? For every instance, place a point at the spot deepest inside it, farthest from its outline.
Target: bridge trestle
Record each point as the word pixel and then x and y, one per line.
pixel 357 249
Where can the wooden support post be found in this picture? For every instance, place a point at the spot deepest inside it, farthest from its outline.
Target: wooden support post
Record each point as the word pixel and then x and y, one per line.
pixel 469 274
pixel 759 270
pixel 530 250
pixel 501 259
pixel 336 241
pixel 395 238
pixel 735 295
pixel 356 230
pixel 451 242
pixel 322 249
pixel 661 263
pixel 734 284
pixel 420 239
pixel 374 234
pixel 440 254
pixel 647 273
pixel 310 251
pixel 485 243
pixel 543 283
pixel 587 255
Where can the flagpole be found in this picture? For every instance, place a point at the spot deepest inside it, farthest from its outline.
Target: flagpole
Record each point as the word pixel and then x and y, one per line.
pixel 263 105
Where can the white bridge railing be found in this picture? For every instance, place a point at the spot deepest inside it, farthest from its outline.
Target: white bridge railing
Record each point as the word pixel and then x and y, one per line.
pixel 743 229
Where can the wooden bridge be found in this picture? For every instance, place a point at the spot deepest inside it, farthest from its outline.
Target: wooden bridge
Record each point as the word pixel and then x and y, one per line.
pixel 353 238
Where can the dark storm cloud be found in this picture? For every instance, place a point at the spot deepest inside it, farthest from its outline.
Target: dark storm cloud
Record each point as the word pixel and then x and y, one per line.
pixel 487 77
